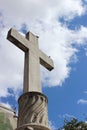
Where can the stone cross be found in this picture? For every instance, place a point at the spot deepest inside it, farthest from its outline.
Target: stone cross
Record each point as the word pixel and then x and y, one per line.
pixel 33 58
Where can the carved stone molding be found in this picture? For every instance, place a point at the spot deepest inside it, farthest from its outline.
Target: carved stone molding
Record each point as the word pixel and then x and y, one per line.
pixel 28 128
pixel 33 111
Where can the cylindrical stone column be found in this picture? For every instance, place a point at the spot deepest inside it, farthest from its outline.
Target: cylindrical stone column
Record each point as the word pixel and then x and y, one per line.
pixel 33 114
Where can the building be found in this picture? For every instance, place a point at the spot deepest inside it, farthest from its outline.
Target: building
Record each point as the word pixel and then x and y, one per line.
pixel 8 120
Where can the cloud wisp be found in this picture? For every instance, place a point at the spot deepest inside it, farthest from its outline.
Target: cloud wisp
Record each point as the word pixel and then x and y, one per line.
pixel 82 101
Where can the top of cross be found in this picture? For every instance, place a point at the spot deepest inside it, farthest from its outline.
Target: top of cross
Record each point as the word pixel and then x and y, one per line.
pixel 33 57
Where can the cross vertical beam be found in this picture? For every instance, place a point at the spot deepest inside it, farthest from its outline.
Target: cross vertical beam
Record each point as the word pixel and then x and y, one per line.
pixel 33 58
pixel 31 67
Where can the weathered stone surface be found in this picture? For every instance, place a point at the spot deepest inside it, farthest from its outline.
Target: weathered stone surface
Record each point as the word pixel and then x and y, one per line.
pixel 7 120
pixel 28 128
pixel 35 127
pixel 33 111
pixel 33 58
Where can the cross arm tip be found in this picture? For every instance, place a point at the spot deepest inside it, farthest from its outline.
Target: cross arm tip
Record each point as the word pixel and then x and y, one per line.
pixel 17 39
pixel 49 64
pixel 50 67
pixel 46 61
pixel 9 37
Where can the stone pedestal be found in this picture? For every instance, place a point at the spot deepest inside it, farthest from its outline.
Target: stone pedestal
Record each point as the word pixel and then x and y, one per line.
pixel 33 114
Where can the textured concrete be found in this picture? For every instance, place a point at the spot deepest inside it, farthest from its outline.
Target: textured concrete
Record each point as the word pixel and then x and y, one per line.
pixel 32 114
pixel 33 58
pixel 7 118
pixel 33 111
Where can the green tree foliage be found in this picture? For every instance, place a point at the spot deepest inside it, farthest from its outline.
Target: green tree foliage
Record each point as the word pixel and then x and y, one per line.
pixel 74 124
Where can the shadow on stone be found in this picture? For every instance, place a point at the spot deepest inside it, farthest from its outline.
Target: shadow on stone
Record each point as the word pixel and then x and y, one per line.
pixel 28 128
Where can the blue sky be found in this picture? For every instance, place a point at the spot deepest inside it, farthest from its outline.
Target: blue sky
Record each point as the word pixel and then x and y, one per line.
pixel 62 30
pixel 70 100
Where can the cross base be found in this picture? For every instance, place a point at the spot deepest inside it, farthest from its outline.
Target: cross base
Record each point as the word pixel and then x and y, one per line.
pixel 32 127
pixel 33 114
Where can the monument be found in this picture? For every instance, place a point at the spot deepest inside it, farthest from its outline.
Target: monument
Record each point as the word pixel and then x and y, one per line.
pixel 32 114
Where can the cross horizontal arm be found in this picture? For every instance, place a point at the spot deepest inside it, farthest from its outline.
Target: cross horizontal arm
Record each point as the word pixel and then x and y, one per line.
pixel 46 61
pixel 17 39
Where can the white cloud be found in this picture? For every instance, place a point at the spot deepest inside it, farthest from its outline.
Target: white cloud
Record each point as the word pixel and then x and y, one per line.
pixel 52 126
pixel 82 101
pixel 85 92
pixel 11 64
pixel 17 12
pixel 65 116
pixel 41 17
pixel 62 51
